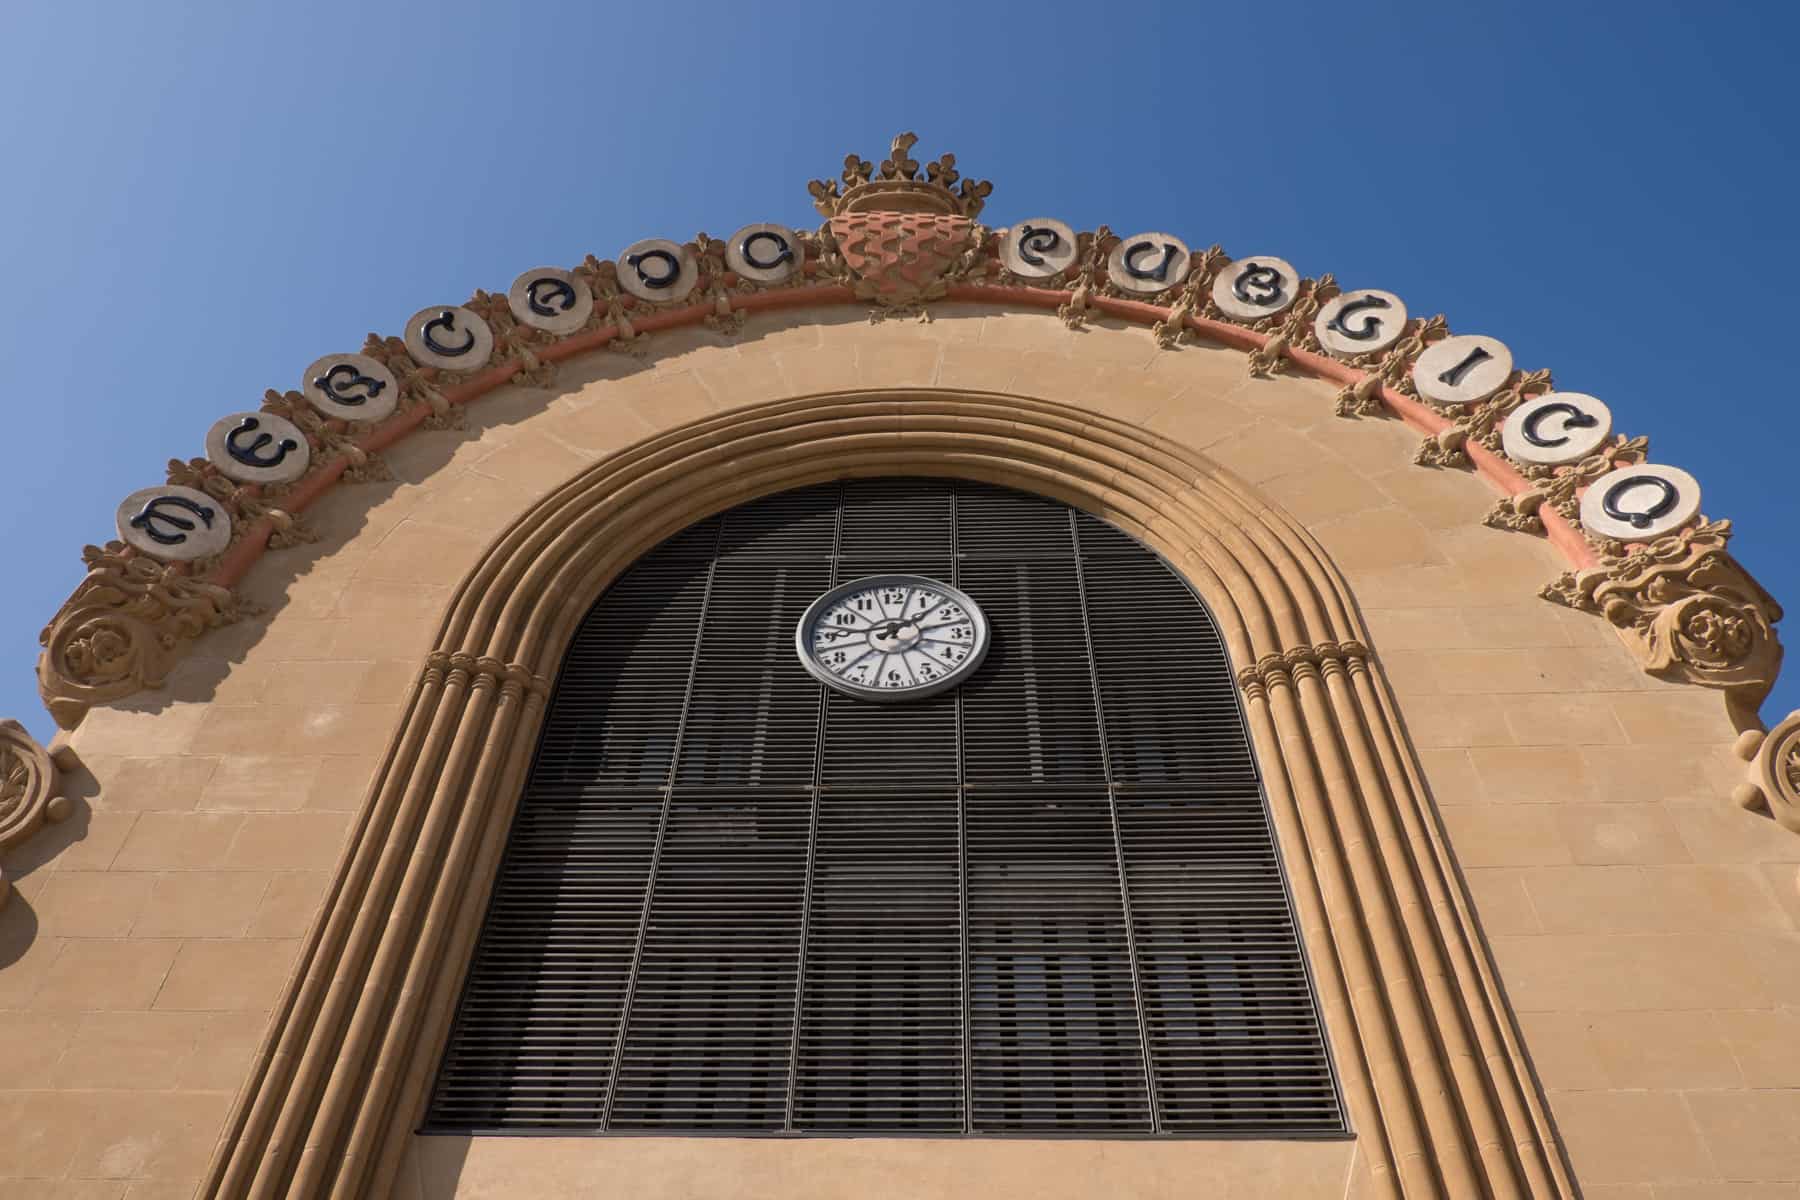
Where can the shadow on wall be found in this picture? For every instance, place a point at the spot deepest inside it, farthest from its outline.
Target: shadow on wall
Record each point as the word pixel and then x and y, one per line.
pixel 18 919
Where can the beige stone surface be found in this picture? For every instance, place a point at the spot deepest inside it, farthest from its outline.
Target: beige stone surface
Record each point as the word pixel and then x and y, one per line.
pixel 1644 929
pixel 817 1169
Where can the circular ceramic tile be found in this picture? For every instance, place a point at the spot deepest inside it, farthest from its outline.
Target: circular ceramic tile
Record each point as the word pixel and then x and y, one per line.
pixel 351 387
pixel 1556 428
pixel 1256 287
pixel 1038 248
pixel 1148 263
pixel 550 299
pixel 450 337
pixel 765 253
pixel 258 447
pixel 1464 369
pixel 657 270
pixel 1637 504
pixel 174 523
pixel 1360 322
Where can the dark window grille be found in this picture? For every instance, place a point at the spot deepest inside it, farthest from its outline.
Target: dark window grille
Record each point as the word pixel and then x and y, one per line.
pixel 1045 902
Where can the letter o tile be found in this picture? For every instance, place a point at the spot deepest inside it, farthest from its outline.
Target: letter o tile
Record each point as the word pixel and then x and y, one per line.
pixel 657 270
pixel 1639 504
pixel 765 253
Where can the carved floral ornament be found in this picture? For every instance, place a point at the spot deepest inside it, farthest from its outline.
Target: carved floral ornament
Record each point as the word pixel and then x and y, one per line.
pixel 898 237
pixel 1773 782
pixel 28 789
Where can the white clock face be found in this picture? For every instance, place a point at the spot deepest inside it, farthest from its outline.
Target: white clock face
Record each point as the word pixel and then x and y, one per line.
pixel 892 637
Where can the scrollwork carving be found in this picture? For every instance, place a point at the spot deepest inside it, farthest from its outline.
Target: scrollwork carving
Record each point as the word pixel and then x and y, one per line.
pixel 1560 487
pixel 28 790
pixel 328 435
pixel 1291 328
pixel 248 504
pixel 1090 269
pixel 122 630
pixel 1772 783
pixel 1477 422
pixel 1204 266
pixel 1688 611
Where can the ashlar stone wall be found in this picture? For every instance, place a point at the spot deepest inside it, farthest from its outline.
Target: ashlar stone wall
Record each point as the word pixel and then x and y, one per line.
pixel 1644 927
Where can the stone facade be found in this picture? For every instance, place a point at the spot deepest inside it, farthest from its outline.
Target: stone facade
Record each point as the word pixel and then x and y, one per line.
pixel 1550 948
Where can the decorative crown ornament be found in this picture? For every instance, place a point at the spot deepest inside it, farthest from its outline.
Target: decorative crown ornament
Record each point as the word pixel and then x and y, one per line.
pixel 897 186
pixel 900 235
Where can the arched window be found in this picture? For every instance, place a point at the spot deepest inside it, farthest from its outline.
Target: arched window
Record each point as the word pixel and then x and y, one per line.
pixel 736 900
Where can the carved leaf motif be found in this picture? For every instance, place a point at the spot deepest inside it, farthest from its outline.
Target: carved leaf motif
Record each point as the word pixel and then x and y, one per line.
pixel 27 778
pixel 1772 784
pixel 122 629
pixel 1687 609
pixel 13 779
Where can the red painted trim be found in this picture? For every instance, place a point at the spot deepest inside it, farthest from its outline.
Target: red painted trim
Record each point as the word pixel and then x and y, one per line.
pixel 238 560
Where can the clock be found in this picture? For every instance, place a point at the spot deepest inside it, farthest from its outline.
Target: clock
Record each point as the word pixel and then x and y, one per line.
pixel 892 637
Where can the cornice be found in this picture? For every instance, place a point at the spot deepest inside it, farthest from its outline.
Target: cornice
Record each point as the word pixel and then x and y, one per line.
pixel 896 240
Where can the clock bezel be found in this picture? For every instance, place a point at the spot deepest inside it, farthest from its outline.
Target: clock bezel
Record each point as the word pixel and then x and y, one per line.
pixel 962 670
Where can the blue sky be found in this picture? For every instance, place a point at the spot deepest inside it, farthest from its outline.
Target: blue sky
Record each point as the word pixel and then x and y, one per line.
pixel 201 198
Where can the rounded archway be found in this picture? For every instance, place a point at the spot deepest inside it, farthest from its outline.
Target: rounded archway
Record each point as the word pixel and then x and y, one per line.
pixel 1434 1074
pixel 737 897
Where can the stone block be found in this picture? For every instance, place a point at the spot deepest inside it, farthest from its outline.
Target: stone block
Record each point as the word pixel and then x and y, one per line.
pixel 128 1051
pixel 1550 720
pixel 1765 1044
pixel 1630 1137
pixel 227 976
pixel 1505 836
pixel 288 906
pixel 1616 834
pixel 93 904
pixel 301 841
pixel 1662 1050
pixel 1531 774
pixel 165 782
pixel 197 904
pixel 1753 1135
pixel 161 841
pixel 106 974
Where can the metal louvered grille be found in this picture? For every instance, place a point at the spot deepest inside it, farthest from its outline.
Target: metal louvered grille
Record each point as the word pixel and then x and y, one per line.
pixel 1045 902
